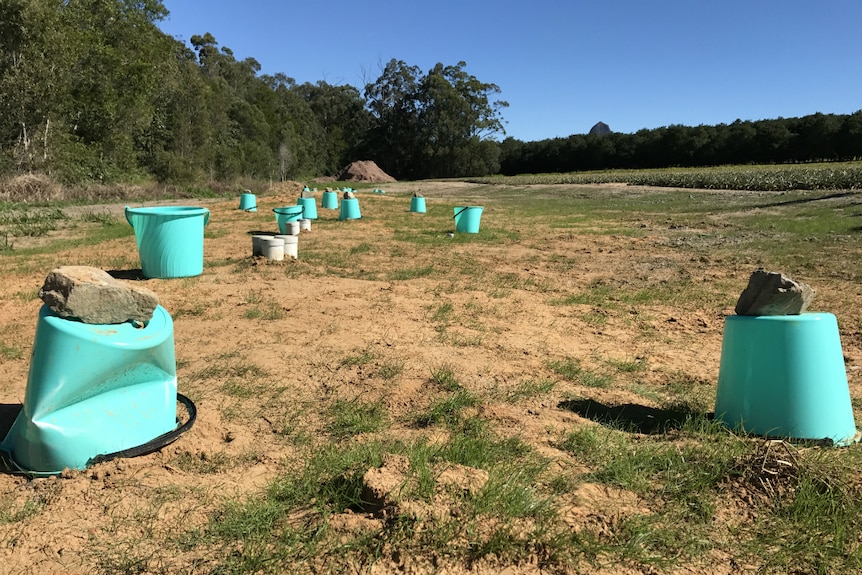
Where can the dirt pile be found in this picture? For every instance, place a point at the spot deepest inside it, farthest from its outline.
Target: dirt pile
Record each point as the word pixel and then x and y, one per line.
pixel 363 171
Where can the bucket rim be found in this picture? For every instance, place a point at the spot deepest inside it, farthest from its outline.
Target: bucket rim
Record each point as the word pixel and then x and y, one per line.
pixel 168 210
pixel 288 210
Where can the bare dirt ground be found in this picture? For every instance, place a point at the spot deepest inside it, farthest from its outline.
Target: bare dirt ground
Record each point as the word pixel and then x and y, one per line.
pixel 295 322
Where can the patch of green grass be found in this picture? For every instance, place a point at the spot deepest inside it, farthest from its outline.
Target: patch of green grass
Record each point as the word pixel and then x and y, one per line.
pixel 505 517
pixel 569 368
pixel 404 274
pixel 459 339
pixel 448 410
pixel 10 351
pixel 529 388
pixel 202 463
pixel 31 221
pixel 390 369
pixel 628 365
pixel 240 388
pixel 688 392
pixel 596 295
pixel 349 418
pixel 98 217
pixel 262 307
pixel 226 367
pixel 595 317
pixel 195 309
pixel 444 377
pixel 443 313
pixel 799 497
pixel 13 512
pixel 362 358
pixel 361 248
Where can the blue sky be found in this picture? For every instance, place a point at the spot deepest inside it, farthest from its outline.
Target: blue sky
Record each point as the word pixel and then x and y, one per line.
pixel 563 65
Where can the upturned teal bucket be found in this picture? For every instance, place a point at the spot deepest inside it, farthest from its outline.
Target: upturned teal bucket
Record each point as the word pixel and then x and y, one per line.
pixel 287 214
pixel 170 239
pixel 309 208
pixel 467 219
pixel 417 205
pixel 784 376
pixel 329 200
pixel 350 209
pixel 93 390
pixel 248 202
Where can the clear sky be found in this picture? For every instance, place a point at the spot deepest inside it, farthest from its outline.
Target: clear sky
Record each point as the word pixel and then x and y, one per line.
pixel 563 65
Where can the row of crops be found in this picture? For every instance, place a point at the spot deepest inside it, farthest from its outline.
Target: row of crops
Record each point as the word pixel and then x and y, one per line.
pixel 831 176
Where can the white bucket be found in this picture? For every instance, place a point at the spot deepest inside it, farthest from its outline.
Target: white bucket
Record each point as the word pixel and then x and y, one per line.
pixel 255 243
pixel 291 246
pixel 272 249
pixel 291 228
pixel 305 225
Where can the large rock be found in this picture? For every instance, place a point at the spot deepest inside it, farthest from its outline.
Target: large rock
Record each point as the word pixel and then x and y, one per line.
pixel 770 293
pixel 91 295
pixel 600 129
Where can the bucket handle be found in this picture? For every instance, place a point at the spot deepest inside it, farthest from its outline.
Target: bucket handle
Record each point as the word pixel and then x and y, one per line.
pixel 455 217
pixel 128 219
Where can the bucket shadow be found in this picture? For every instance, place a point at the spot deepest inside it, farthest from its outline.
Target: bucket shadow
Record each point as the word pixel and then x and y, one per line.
pixel 130 275
pixel 261 232
pixel 8 413
pixel 631 417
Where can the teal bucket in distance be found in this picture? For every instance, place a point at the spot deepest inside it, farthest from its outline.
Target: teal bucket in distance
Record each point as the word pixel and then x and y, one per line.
pixel 93 389
pixel 467 219
pixel 309 208
pixel 350 209
pixel 329 200
pixel 784 376
pixel 170 239
pixel 285 215
pixel 248 203
pixel 417 205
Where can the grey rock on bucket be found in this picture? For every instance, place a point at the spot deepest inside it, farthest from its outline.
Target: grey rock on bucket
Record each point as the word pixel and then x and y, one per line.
pixel 770 293
pixel 92 296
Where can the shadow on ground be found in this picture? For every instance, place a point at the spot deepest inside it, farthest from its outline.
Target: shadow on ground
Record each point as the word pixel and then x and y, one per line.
pixel 131 275
pixel 631 416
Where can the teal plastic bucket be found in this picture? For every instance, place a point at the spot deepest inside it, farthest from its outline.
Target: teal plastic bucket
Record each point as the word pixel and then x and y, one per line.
pixel 248 202
pixel 417 205
pixel 467 219
pixel 350 209
pixel 93 390
pixel 309 208
pixel 285 215
pixel 329 200
pixel 784 376
pixel 170 239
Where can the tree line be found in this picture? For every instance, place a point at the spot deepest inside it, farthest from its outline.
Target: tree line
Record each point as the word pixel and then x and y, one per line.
pixel 813 138
pixel 93 90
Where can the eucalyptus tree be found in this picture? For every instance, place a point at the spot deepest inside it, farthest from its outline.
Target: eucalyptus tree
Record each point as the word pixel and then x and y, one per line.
pixel 393 139
pixel 456 114
pixel 343 117
pixel 435 125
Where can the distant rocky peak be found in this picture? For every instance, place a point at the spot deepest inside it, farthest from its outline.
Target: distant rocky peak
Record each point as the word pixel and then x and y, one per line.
pixel 600 129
